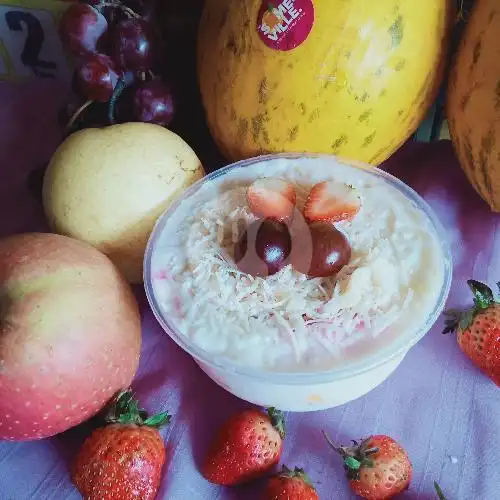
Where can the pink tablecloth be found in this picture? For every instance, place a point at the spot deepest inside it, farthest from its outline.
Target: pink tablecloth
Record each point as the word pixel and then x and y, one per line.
pixel 436 403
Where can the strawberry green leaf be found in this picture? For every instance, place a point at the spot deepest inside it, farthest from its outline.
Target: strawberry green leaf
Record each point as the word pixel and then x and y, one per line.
pixel 483 296
pixel 285 471
pixel 465 320
pixel 439 491
pixel 352 463
pixel 278 420
pixel 158 420
pixel 124 409
pixel 296 473
pixel 128 418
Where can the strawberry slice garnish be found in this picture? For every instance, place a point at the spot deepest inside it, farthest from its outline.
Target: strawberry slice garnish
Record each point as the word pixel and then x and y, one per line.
pixel 272 198
pixel 331 201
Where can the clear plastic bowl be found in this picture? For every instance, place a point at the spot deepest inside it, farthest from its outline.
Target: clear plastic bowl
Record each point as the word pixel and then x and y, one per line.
pixel 303 391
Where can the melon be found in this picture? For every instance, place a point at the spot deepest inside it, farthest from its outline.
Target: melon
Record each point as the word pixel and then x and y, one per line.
pixel 350 78
pixel 473 101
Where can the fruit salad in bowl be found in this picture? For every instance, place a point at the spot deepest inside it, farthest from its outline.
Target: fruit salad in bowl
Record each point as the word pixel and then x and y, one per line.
pixel 298 281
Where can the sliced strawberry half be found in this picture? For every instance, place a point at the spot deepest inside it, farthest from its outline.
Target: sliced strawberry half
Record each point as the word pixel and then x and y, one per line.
pixel 331 201
pixel 272 198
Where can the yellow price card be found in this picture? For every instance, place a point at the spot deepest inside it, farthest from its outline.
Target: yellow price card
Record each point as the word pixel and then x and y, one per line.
pixel 29 43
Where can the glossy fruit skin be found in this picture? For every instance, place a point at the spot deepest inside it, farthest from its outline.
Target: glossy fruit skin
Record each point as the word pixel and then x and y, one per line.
pixel 245 448
pixel 391 474
pixel 263 248
pixel 120 462
pixel 330 250
pixel 341 91
pixel 481 342
pixel 478 329
pixel 97 77
pixel 81 28
pixel 473 101
pixel 154 103
pixel 133 43
pixel 280 487
pixel 70 334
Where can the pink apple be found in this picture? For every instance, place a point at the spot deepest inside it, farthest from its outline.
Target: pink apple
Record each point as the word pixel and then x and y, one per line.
pixel 70 334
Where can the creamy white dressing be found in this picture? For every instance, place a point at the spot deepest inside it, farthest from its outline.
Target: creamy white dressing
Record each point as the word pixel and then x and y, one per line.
pixel 287 321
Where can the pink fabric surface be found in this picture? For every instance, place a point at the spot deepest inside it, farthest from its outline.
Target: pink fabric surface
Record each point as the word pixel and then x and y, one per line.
pixel 436 403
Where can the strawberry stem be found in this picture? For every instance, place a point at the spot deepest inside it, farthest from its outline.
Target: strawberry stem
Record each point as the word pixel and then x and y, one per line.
pixel 330 442
pixel 124 409
pixel 278 420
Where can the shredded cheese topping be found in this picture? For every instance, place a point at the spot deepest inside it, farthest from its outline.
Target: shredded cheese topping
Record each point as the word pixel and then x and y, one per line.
pixel 287 321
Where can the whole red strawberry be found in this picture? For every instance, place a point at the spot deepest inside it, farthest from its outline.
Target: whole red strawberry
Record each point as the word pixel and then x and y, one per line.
pixel 377 467
pixel 478 330
pixel 123 460
pixel 290 485
pixel 248 445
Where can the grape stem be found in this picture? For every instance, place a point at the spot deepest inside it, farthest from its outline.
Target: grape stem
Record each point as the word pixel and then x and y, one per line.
pixel 77 114
pixel 117 5
pixel 120 87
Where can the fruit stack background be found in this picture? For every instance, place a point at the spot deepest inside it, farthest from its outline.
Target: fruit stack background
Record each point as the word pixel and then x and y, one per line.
pixel 184 115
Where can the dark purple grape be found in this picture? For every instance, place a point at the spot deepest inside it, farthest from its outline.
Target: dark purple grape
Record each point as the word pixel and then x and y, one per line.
pixel 81 28
pixel 133 44
pixel 263 248
pixel 97 77
pixel 330 250
pixel 153 103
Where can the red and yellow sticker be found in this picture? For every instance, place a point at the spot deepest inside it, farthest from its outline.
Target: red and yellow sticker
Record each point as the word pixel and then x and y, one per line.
pixel 29 43
pixel 285 24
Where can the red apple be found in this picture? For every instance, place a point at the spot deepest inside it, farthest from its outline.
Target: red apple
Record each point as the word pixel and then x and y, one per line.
pixel 70 334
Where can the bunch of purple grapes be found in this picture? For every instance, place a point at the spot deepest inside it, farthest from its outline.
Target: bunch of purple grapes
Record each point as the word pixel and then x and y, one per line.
pixel 116 46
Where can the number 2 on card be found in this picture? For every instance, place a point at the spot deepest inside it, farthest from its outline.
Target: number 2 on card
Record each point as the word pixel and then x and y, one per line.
pixel 29 43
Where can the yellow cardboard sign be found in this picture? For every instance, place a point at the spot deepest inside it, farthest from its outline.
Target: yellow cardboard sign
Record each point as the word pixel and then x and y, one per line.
pixel 30 46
